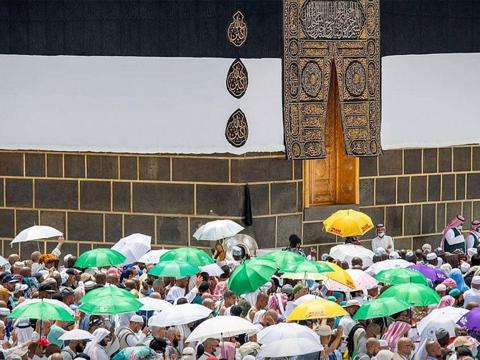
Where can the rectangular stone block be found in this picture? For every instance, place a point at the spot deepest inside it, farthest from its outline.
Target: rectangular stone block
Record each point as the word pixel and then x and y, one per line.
pixel 286 226
pixel 460 186
pixel 221 200
pixel 298 169
pixel 7 224
pixel 2 191
pixel 467 207
pixel 11 163
pixel 85 226
pixel 163 198
pixel 403 189
pixel 56 219
pixel 113 227
pixel 428 219
pixel 74 166
pixel 102 167
pixel 445 160
pixel 418 188
pixel 121 196
pixel 263 231
pixel 54 165
pixel 139 224
pixel 403 243
pixel 154 168
pixel 368 166
pixel 263 169
pixel 394 220
pixel 430 159
pixel 390 163
pixel 195 169
pixel 473 186
pixel 385 191
pixel 367 192
pixel 453 209
pixel 56 194
pixel 462 158
pixel 434 187
pixel 283 198
pixel 173 231
pixel 259 198
pixel 82 247
pixel 313 233
pixel 128 167
pixel 412 219
pixel 476 158
pixel 34 164
pixel 412 160
pixel 441 213
pixel 95 195
pixel 25 219
pixel 448 187
pixel 19 192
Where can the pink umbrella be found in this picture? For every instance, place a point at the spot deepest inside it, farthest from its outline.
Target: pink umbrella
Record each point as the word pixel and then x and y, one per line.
pixel 361 279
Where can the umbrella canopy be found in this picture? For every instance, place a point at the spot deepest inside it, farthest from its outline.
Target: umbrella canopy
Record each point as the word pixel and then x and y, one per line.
pixel 401 276
pixel 445 318
pixel 284 331
pixel 99 257
pixel 42 309
pixel 76 334
pixel 379 308
pixel 340 276
pixel 348 223
pixel 284 260
pixel 413 294
pixel 306 298
pixel 222 327
pixel 192 256
pixel 152 304
pixel 386 265
pixel 433 274
pixel 135 353
pixel 133 247
pixel 250 275
pixel 152 257
pixel 217 230
pixel 180 315
pixel 471 320
pixel 309 267
pixel 174 268
pixel 36 232
pixel 361 281
pixel 109 300
pixel 290 347
pixel 316 309
pixel 3 261
pixel 346 252
pixel 212 269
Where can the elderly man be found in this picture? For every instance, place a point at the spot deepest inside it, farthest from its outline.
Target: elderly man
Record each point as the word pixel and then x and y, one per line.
pixel 434 350
pixel 381 240
pixel 131 335
pixel 371 349
pixel 404 349
pixel 472 295
pixel 209 347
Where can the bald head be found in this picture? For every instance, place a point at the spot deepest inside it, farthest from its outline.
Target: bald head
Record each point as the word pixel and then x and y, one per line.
pixel 35 256
pixel 56 356
pixel 373 346
pixel 433 349
pixel 12 259
pixel 405 346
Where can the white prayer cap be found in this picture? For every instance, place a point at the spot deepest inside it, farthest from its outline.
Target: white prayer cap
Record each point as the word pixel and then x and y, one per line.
pixel 427 247
pixel 441 287
pixel 464 267
pixel 431 256
pixel 4 311
pixel 476 280
pixel 394 255
pixel 380 251
pixel 136 319
pixel 383 343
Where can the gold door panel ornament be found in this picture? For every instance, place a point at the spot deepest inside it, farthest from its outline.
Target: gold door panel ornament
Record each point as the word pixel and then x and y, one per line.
pixel 320 35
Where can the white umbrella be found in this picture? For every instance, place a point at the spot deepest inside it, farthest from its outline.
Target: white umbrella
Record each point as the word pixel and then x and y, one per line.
pixel 76 334
pixel 386 265
pixel 180 315
pixel 217 230
pixel 133 247
pixel 305 298
pixel 290 347
pixel 3 261
pixel 152 304
pixel 361 279
pixel 36 232
pixel 212 269
pixel 284 331
pixel 152 257
pixel 446 318
pixel 222 327
pixel 346 252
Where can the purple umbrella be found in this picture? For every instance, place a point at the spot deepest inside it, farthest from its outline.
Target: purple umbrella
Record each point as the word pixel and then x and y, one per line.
pixel 433 274
pixel 470 320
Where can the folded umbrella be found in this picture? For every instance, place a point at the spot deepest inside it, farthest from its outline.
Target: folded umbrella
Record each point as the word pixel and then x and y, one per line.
pixel 179 315
pixel 284 331
pixel 192 256
pixel 217 230
pixel 220 327
pixel 36 232
pixel 346 252
pixel 401 276
pixel 413 294
pixel 290 347
pixel 379 308
pixel 133 247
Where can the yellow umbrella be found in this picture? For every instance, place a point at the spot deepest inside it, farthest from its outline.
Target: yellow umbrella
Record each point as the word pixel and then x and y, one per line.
pixel 340 276
pixel 316 309
pixel 348 223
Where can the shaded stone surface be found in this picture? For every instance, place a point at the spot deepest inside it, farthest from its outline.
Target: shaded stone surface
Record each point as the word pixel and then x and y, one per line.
pixel 284 198
pixel 34 164
pixel 368 166
pixel 208 170
pixel 95 195
pixel 172 231
pixel 74 166
pixel 154 168
pixel 251 170
pixel 428 218
pixel 56 219
pixel 286 226
pixel 163 198
pixel 121 196
pixel 394 220
pixel 448 187
pixel 462 158
pixel 11 163
pixel 85 226
pixel 25 219
pixel 366 191
pixel 385 191
pixel 419 188
pixel 19 192
pixel 390 163
pixel 54 165
pixel 460 186
pixel 473 186
pixel 128 167
pixel 412 219
pixel 56 194
pixel 430 159
pixel 412 159
pixel 403 189
pixel 102 167
pixel 113 227
pixel 434 187
pixel 445 160
pixel 143 224
pixel 313 233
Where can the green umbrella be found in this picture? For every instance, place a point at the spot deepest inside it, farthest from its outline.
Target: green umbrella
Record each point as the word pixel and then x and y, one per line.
pixel 401 276
pixel 379 308
pixel 413 294
pixel 109 300
pixel 43 309
pixel 174 268
pixel 310 267
pixel 250 275
pixel 283 259
pixel 192 256
pixel 99 257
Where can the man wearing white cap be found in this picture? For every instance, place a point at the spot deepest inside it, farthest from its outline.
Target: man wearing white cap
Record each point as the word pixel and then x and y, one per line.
pixel 473 295
pixel 382 240
pixel 131 335
pixel 433 261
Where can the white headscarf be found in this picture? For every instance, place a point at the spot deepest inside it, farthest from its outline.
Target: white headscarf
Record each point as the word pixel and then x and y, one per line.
pixel 98 336
pixel 384 355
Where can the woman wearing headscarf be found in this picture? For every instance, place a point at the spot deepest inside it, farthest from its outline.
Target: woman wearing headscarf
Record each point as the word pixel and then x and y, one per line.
pixel 456 274
pixel 96 347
